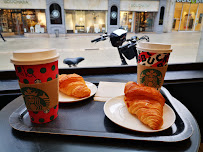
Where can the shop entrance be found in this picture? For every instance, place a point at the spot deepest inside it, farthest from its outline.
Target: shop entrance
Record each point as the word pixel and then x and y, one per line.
pixel 188 17
pixel 17 21
pixel 126 20
pixel 144 22
pixel 20 21
pixel 85 21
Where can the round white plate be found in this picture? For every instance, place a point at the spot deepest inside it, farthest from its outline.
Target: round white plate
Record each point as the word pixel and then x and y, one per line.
pixel 116 110
pixel 63 98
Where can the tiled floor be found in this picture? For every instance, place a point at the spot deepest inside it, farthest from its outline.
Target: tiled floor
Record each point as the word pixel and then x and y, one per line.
pixel 185 47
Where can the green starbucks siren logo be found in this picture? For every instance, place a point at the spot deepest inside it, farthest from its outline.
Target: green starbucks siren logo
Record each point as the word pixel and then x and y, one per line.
pixel 35 99
pixel 151 78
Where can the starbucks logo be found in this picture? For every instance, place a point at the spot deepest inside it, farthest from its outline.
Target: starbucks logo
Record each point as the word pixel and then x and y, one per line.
pixel 151 78
pixel 35 99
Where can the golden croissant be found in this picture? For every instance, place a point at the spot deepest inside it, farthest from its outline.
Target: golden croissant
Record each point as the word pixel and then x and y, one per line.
pixel 146 103
pixel 73 85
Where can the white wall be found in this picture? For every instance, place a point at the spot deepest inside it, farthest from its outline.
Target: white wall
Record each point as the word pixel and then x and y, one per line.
pixel 86 4
pixel 169 16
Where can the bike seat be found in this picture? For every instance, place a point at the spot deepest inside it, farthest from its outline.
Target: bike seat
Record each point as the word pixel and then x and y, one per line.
pixel 73 61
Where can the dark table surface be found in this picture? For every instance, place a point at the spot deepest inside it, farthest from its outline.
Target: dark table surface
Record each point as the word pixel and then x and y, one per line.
pixel 186 89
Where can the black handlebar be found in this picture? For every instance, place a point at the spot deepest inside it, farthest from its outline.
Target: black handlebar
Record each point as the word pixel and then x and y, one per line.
pixel 101 38
pixel 145 37
pixel 121 47
pixel 96 40
pixel 133 41
pixel 133 44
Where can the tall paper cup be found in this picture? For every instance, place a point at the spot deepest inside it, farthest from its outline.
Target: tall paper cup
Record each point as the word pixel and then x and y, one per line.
pixel 152 63
pixel 37 73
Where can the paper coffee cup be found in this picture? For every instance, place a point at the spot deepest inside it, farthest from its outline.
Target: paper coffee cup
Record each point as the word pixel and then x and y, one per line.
pixel 37 72
pixel 152 63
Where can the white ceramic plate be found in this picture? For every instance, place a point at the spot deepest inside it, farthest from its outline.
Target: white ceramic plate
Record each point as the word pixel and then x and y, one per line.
pixel 116 110
pixel 63 98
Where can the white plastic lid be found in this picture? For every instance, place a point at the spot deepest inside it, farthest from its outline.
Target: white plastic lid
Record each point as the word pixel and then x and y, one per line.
pixel 154 47
pixel 33 57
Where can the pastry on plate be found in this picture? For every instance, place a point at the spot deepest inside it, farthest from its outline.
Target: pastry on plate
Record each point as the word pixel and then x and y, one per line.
pixel 73 85
pixel 146 103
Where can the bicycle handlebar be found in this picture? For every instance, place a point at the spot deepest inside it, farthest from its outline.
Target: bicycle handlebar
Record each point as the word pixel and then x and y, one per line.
pixel 144 37
pixel 133 44
pixel 121 47
pixel 133 41
pixel 96 40
pixel 101 38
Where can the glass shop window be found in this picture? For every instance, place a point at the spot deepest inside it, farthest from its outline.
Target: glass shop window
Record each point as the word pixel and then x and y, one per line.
pixel 161 18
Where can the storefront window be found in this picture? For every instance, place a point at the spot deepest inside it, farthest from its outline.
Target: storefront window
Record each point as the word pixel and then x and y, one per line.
pixel 177 15
pixel 22 21
pixel 161 17
pixel 191 19
pixel 126 20
pixel 85 21
pixel 199 19
pixel 144 22
pixel 35 21
pixel 187 16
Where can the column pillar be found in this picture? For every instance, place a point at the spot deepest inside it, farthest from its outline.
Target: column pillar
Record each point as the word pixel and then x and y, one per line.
pixel 113 17
pixel 164 25
pixel 51 27
pixel 133 23
pixel 158 25
pixel 169 16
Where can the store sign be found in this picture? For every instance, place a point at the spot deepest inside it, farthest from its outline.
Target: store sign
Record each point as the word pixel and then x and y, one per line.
pixel 23 4
pixel 140 6
pixel 190 1
pixel 55 14
pixel 86 4
pixel 113 15
pixel 16 1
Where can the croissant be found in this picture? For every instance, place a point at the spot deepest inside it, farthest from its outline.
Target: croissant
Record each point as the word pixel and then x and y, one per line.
pixel 146 103
pixel 73 85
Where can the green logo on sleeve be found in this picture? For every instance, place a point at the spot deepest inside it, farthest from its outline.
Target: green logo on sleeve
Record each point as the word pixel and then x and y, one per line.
pixel 35 99
pixel 151 78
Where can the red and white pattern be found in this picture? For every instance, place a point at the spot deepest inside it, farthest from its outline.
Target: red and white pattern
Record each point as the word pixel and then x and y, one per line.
pixel 153 59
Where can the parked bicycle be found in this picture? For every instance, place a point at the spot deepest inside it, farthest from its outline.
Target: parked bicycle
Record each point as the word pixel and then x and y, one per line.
pixel 117 38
